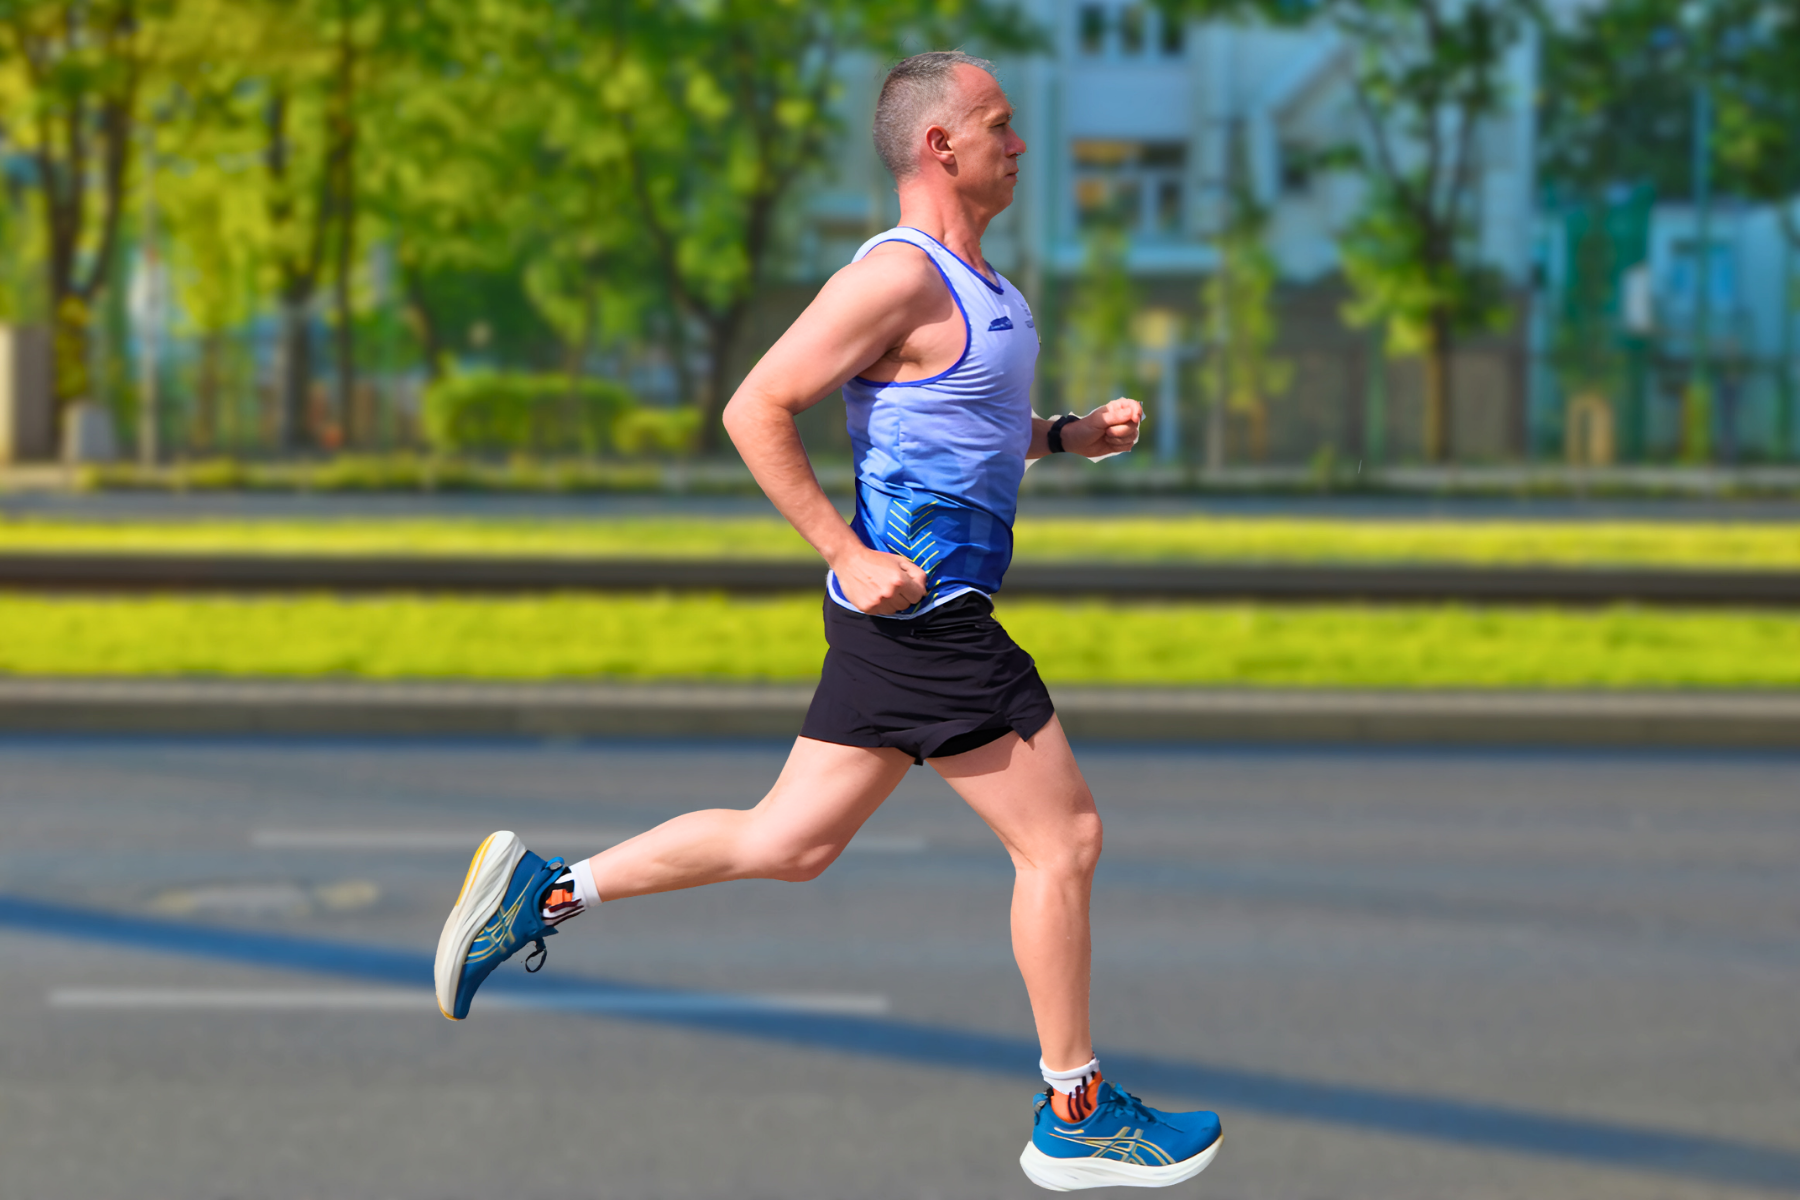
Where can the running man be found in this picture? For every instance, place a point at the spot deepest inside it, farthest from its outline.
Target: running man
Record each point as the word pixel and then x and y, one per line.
pixel 934 351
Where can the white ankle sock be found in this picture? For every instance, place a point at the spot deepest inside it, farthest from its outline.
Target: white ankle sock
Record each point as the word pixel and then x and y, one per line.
pixel 585 888
pixel 569 894
pixel 1072 1081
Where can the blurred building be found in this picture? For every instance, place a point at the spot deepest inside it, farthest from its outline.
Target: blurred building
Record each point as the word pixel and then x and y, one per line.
pixel 1661 301
pixel 1133 118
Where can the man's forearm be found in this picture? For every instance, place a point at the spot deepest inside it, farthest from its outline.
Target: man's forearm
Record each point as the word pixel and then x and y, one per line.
pixel 767 439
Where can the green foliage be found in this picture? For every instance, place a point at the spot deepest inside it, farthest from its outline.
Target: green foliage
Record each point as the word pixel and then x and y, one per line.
pixel 1098 354
pixel 1755 72
pixel 735 638
pixel 1426 74
pixel 1604 239
pixel 620 164
pixel 1618 95
pixel 1754 545
pixel 1617 98
pixel 1404 283
pixel 70 75
pixel 656 430
pixel 492 412
pixel 1238 299
pixel 704 117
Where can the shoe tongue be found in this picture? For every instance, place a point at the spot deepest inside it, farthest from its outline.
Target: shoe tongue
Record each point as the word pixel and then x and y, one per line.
pixel 1103 1093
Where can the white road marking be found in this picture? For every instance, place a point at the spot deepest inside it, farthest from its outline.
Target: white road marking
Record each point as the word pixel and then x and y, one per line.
pixel 142 999
pixel 416 839
pixel 389 840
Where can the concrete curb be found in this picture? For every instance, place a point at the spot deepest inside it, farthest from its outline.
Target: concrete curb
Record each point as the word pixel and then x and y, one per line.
pixel 1394 583
pixel 1303 583
pixel 194 707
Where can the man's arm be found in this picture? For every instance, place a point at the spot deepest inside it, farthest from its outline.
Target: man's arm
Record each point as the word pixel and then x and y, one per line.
pixel 865 312
pixel 1109 429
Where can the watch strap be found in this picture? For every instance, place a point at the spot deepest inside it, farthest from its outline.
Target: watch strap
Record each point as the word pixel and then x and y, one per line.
pixel 1054 438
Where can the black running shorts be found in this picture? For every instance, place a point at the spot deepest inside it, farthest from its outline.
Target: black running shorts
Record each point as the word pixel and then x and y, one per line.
pixel 936 685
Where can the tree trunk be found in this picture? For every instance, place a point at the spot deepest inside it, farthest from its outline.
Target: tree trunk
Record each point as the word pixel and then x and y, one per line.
pixel 722 334
pixel 69 350
pixel 293 374
pixel 577 349
pixel 424 326
pixel 1784 414
pixel 344 133
pixel 346 350
pixel 1438 434
pixel 1216 370
pixel 1259 430
pixel 206 391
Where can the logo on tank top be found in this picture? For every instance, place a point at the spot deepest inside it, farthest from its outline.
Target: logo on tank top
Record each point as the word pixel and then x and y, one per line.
pixel 999 323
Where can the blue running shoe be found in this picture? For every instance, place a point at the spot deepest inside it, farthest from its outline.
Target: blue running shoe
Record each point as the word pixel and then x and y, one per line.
pixel 496 914
pixel 1124 1143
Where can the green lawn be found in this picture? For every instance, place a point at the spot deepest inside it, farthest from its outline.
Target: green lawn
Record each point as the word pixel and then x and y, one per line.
pixel 1275 539
pixel 715 637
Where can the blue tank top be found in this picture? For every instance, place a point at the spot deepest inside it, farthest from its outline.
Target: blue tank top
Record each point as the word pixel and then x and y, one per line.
pixel 939 460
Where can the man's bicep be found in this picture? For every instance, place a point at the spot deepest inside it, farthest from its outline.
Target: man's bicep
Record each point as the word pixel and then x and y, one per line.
pixel 857 317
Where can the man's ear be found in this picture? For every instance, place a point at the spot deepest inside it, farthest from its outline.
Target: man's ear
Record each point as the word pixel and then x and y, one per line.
pixel 937 144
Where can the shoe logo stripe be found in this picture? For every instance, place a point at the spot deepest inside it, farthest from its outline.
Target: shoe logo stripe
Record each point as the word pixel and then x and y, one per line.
pixel 1128 1145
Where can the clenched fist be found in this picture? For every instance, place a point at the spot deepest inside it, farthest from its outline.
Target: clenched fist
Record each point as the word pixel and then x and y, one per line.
pixel 1109 429
pixel 879 584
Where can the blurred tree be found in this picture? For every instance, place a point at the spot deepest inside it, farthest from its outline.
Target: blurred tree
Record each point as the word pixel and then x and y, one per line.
pixel 1240 373
pixel 203 146
pixel 1098 355
pixel 1427 76
pixel 321 113
pixel 248 98
pixel 70 75
pixel 1759 148
pixel 589 267
pixel 719 112
pixel 1620 104
pixel 1617 101
pixel 452 129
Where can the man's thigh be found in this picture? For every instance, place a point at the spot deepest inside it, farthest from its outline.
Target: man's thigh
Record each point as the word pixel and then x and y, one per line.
pixel 1031 793
pixel 826 790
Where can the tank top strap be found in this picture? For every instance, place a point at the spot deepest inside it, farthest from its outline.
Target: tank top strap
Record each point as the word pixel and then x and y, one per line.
pixel 957 272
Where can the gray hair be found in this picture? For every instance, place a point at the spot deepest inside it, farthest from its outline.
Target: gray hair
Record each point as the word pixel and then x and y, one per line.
pixel 912 99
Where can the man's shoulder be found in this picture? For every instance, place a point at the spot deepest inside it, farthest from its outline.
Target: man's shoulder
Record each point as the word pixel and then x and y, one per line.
pixel 899 269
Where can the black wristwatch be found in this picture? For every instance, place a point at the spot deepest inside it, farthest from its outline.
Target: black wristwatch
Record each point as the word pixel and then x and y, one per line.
pixel 1054 438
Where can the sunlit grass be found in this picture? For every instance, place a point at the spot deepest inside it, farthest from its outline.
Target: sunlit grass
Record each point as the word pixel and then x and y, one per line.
pixel 1175 539
pixel 715 637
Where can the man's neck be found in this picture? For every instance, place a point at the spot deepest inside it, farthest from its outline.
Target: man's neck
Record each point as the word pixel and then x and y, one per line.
pixel 950 222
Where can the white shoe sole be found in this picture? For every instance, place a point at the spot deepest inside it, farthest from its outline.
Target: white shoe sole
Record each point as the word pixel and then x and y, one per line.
pixel 483 888
pixel 1073 1174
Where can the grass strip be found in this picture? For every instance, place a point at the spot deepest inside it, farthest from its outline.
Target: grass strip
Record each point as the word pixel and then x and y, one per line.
pixel 714 637
pixel 1133 539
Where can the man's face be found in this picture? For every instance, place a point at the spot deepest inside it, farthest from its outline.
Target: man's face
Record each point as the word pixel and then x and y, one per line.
pixel 987 149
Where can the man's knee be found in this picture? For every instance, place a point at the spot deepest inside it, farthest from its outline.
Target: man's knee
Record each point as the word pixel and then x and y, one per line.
pixel 789 859
pixel 1087 838
pixel 1071 851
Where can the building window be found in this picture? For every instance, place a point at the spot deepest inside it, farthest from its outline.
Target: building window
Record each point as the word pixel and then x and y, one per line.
pixel 1297 162
pixel 1127 31
pixel 1093 28
pixel 1135 185
pixel 1721 275
pixel 1131 30
pixel 1174 35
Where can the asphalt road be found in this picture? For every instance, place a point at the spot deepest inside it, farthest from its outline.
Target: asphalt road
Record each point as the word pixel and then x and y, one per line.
pixel 1397 975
